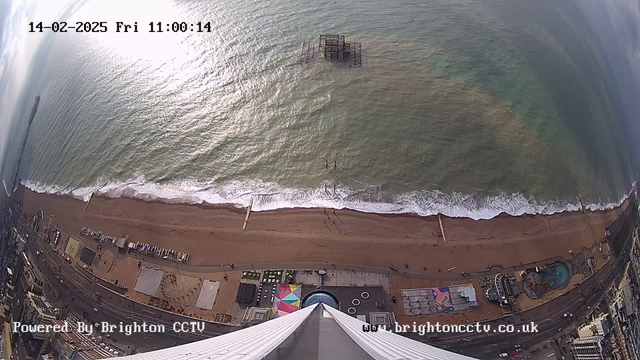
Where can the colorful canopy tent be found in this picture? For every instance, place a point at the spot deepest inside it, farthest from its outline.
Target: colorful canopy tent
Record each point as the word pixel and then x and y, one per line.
pixel 286 300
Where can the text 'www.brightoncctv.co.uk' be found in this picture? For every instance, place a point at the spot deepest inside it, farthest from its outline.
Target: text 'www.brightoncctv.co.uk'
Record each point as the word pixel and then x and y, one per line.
pixel 433 328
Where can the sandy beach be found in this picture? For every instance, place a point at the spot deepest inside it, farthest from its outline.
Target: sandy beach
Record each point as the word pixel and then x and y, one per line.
pixel 213 235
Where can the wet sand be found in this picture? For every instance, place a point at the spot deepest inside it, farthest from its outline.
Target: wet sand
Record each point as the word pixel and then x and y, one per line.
pixel 213 235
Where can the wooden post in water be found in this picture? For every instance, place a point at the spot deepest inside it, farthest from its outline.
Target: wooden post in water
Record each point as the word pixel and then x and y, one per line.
pixel 442 227
pixel 302 56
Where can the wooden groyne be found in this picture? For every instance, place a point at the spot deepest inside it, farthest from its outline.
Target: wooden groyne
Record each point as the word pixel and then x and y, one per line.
pixel 246 218
pixel 88 202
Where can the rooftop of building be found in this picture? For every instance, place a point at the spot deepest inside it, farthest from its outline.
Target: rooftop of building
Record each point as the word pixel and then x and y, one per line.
pixel 41 304
pixel 588 340
pixel 85 346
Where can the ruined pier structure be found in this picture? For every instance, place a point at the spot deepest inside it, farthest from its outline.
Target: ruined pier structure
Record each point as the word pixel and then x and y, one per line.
pixel 333 48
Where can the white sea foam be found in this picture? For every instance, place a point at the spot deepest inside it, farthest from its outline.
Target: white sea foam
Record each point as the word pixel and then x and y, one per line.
pixel 269 196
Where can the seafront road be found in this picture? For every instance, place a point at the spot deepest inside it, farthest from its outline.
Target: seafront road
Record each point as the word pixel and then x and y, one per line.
pixel 76 292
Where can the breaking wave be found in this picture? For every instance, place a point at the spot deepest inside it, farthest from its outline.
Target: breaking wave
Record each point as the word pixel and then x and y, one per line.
pixel 269 196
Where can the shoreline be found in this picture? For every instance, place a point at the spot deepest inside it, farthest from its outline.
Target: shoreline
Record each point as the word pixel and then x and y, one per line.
pixel 212 233
pixel 199 197
pixel 241 209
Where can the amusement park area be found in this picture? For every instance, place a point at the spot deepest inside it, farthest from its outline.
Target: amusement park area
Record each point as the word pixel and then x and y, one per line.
pixel 538 281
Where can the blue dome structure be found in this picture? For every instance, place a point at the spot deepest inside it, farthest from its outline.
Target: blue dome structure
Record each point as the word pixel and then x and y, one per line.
pixel 320 297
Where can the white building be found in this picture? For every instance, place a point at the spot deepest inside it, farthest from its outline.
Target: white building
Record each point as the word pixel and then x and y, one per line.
pixel 599 326
pixel 588 348
pixel 315 332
